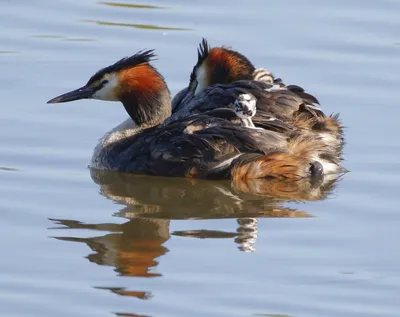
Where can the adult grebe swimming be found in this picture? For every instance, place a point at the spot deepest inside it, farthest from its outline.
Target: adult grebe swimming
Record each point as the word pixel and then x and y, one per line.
pixel 210 144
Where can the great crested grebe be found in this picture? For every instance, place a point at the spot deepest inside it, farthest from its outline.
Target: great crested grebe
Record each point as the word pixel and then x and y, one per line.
pixel 205 144
pixel 221 74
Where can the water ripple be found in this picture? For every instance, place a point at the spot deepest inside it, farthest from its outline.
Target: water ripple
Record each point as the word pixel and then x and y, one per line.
pixel 138 26
pixel 130 5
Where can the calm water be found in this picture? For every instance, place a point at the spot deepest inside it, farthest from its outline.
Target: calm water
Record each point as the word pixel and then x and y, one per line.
pixel 82 244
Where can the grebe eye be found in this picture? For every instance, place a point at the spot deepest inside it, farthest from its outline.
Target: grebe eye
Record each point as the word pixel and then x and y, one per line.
pixel 105 81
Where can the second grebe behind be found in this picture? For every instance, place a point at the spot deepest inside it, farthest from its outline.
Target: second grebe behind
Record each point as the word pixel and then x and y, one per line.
pixel 221 72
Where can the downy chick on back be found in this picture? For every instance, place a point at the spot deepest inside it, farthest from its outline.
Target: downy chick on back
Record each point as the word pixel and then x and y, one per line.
pixel 245 109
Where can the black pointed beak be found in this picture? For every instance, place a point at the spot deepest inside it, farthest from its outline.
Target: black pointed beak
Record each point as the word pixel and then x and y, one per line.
pixel 81 93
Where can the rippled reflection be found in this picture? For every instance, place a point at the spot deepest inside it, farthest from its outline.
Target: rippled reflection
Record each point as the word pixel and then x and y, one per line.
pixel 8 52
pixel 130 5
pixel 131 248
pixel 176 198
pixel 124 292
pixel 151 202
pixel 136 247
pixel 272 315
pixel 129 315
pixel 137 26
pixel 64 38
pixel 44 36
pixel 8 169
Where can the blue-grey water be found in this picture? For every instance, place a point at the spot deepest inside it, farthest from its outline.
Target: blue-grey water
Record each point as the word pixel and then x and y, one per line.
pixel 80 244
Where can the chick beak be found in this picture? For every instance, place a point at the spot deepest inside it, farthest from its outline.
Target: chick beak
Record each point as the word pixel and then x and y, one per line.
pixel 80 93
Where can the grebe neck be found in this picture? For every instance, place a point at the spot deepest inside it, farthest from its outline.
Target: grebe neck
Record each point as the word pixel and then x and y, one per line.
pixel 145 96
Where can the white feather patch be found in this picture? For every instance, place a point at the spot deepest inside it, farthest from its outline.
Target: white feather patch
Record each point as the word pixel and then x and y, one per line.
pixel 120 132
pixel 107 92
pixel 202 81
pixel 329 167
pixel 226 162
pixel 275 88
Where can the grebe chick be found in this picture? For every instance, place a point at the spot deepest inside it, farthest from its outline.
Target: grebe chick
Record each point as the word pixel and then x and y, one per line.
pixel 264 75
pixel 245 109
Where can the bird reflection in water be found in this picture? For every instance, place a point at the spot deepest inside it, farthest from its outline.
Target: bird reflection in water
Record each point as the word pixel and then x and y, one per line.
pixel 134 248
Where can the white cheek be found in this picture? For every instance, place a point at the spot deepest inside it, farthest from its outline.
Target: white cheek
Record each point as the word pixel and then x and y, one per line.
pixel 107 92
pixel 201 77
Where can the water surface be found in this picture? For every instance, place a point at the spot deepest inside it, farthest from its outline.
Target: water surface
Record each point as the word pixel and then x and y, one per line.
pixel 77 243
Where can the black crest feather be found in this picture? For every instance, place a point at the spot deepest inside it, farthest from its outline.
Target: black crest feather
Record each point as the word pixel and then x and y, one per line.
pixel 126 62
pixel 223 72
pixel 202 53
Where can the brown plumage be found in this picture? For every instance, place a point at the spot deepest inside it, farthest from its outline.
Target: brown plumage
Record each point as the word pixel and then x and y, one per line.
pixel 301 159
pixel 218 65
pixel 279 165
pixel 288 103
pixel 207 141
pixel 143 85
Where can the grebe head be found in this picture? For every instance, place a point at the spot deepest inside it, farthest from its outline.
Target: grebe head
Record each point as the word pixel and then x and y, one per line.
pixel 245 106
pixel 132 81
pixel 218 65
